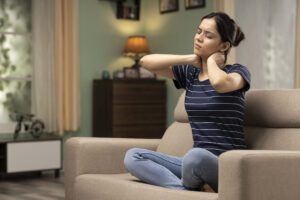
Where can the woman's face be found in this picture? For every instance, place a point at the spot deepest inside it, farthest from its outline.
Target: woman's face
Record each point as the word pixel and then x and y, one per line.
pixel 207 40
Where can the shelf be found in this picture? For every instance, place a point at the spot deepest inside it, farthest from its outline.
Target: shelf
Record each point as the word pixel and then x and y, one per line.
pixel 9 137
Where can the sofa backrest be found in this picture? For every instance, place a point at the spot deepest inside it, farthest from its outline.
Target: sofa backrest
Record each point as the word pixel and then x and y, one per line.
pixel 177 139
pixel 272 121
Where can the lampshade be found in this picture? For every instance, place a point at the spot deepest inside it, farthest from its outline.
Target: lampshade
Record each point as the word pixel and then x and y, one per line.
pixel 136 45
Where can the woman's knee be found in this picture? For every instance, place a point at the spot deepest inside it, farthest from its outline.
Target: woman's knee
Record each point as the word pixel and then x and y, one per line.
pixel 196 157
pixel 200 166
pixel 130 158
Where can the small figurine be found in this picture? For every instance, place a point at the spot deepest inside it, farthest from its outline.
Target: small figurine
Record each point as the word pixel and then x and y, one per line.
pixel 33 126
pixel 105 74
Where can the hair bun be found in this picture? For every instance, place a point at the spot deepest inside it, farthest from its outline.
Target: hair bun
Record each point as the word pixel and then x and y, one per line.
pixel 239 36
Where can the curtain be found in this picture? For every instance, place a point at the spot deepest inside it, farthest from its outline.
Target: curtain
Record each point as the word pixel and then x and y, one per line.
pixel 297 57
pixel 269 48
pixel 67 65
pixel 43 90
pixel 55 93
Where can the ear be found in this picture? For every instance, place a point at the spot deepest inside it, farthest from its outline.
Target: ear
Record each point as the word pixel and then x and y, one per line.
pixel 225 47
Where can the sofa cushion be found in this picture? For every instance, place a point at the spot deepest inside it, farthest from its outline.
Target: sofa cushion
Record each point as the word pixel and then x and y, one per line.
pixel 127 187
pixel 180 114
pixel 273 108
pixel 177 139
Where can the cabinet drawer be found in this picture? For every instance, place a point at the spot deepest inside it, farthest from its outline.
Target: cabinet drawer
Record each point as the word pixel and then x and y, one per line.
pixel 139 93
pixel 30 156
pixel 129 107
pixel 138 114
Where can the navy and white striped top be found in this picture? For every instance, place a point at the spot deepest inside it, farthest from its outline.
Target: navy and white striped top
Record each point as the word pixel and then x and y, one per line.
pixel 216 118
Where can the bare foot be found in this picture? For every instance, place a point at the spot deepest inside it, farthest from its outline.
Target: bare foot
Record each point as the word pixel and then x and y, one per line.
pixel 207 188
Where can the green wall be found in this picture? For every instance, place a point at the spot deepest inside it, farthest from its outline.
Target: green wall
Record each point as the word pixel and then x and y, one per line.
pixel 102 38
pixel 172 33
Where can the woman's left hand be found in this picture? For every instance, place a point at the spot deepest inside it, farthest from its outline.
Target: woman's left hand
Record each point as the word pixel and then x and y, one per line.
pixel 218 58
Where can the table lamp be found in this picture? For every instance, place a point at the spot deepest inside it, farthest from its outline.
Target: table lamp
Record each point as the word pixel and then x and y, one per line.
pixel 136 47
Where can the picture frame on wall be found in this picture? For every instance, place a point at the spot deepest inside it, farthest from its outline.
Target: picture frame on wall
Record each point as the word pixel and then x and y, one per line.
pixel 191 4
pixel 166 6
pixel 129 9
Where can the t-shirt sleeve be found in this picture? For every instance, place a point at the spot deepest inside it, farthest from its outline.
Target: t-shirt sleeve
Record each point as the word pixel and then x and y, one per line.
pixel 184 75
pixel 244 72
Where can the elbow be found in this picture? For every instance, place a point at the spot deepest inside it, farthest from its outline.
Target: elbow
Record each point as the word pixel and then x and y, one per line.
pixel 144 62
pixel 219 85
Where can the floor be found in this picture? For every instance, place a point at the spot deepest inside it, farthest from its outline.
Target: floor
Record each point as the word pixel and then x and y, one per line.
pixel 33 186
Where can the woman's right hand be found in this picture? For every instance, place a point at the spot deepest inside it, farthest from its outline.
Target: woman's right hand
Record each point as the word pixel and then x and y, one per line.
pixel 196 60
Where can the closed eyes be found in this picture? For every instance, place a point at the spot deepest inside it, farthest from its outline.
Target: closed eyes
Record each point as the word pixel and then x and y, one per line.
pixel 206 33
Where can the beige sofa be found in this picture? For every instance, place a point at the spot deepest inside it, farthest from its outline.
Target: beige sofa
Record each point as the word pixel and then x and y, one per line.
pixel 269 171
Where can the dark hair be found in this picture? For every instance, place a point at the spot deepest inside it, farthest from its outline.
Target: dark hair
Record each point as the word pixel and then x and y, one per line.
pixel 227 28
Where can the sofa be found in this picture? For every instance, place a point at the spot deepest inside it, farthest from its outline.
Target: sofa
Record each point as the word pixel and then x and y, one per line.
pixel 269 170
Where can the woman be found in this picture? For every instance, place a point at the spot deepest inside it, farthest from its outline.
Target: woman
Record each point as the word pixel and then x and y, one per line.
pixel 214 103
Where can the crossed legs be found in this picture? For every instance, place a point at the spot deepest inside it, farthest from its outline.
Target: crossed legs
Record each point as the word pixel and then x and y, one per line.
pixel 190 172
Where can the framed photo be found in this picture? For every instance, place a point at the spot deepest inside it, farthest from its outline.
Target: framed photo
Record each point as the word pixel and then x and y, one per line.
pixel 131 72
pixel 190 4
pixel 166 6
pixel 119 74
pixel 129 9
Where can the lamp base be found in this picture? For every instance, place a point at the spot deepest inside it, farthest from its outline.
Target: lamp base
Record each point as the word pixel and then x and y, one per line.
pixel 136 63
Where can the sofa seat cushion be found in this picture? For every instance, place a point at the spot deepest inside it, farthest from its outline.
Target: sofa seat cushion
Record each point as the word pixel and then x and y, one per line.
pixel 127 187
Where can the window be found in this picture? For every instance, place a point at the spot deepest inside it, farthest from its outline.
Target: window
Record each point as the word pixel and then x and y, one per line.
pixel 15 60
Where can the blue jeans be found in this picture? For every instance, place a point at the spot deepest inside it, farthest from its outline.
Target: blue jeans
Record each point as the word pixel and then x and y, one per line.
pixel 190 172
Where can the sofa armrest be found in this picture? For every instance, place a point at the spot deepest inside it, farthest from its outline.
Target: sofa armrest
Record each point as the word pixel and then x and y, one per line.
pixel 86 155
pixel 259 175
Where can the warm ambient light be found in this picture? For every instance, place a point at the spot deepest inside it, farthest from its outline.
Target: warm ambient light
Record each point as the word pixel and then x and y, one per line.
pixel 136 47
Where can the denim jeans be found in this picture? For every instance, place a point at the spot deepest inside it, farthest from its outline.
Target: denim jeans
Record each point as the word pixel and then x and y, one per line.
pixel 190 172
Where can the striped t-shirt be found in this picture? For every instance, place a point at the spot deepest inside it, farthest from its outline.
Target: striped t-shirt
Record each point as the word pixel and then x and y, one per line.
pixel 216 118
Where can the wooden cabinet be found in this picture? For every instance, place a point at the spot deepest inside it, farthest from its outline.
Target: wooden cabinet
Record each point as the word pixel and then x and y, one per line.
pixel 129 108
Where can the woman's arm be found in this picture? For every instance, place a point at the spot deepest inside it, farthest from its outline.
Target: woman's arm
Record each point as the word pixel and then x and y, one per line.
pixel 219 79
pixel 161 64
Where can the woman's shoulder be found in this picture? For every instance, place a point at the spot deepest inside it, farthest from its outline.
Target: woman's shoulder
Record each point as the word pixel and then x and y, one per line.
pixel 242 70
pixel 235 65
pixel 236 68
pixel 193 68
pixel 188 67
